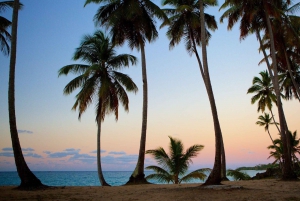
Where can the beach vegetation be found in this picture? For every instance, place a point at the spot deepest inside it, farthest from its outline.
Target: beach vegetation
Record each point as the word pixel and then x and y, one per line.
pixel 276 150
pixel 173 166
pixel 264 17
pixel 100 82
pixel 187 21
pixel 132 21
pixel 259 167
pixel 238 174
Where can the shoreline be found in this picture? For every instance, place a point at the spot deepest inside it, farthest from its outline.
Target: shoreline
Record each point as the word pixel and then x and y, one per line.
pixel 264 190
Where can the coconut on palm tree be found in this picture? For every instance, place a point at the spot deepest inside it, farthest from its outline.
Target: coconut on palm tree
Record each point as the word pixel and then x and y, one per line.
pixel 173 166
pixel 188 21
pixel 99 81
pixel 132 21
pixel 28 179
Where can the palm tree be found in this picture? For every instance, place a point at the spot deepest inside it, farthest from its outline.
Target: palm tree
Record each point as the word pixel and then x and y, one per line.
pixel 277 148
pixel 238 175
pixel 99 81
pixel 264 92
pixel 28 179
pixel 175 164
pixel 256 16
pixel 219 164
pixel 184 24
pixel 5 36
pixel 132 21
pixel 266 121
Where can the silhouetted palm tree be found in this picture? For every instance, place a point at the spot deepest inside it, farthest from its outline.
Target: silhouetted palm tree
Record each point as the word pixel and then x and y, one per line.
pixel 132 21
pixel 174 165
pixel 185 22
pixel 257 16
pixel 99 81
pixel 28 179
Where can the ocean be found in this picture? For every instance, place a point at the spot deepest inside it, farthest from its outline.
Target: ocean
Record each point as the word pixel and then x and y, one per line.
pixel 82 178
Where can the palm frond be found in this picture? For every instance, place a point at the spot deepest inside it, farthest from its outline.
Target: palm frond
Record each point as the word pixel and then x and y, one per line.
pixel 238 175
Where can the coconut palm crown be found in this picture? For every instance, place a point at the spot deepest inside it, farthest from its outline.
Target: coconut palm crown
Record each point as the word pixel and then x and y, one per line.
pixel 99 81
pixel 5 36
pixel 175 164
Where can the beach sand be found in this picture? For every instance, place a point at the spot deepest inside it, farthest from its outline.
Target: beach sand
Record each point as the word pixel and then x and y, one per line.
pixel 266 190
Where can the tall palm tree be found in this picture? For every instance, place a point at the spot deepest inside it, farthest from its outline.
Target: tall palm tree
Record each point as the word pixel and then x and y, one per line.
pixel 184 24
pixel 175 164
pixel 99 81
pixel 132 21
pixel 215 176
pixel 28 179
pixel 256 16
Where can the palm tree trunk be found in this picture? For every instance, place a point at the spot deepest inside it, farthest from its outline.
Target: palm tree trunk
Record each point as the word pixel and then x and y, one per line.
pixel 280 162
pixel 274 120
pixel 99 168
pixel 138 176
pixel 215 176
pixel 287 173
pixel 28 179
pixel 223 159
pixel 223 162
pixel 273 81
pixel 292 77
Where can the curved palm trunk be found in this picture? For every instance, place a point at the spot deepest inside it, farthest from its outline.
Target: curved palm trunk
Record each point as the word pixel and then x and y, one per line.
pixel 274 120
pixel 138 176
pixel 291 75
pixel 215 175
pixel 273 80
pixel 223 163
pixel 28 179
pixel 99 168
pixel 223 157
pixel 287 172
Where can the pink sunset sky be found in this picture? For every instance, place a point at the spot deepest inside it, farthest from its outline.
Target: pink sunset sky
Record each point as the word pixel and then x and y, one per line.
pixel 51 136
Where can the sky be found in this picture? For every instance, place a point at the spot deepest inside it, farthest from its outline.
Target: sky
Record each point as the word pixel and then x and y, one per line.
pixel 52 137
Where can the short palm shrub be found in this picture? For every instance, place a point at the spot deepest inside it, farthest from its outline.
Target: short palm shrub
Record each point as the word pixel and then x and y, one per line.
pixel 173 166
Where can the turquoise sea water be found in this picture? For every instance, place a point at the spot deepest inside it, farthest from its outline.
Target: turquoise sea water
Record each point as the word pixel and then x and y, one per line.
pixel 80 178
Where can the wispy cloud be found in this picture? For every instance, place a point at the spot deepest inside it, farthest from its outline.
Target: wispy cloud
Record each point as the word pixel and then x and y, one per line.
pixel 27 149
pixel 72 154
pixel 66 152
pixel 248 151
pixel 95 151
pixel 25 131
pixel 111 159
pixel 117 153
pixel 8 152
pixel 7 149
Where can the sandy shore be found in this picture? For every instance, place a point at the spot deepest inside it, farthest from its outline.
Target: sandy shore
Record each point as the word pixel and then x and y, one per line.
pixel 265 190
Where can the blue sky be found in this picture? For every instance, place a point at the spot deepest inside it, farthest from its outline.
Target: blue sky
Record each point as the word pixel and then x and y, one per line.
pixel 51 135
